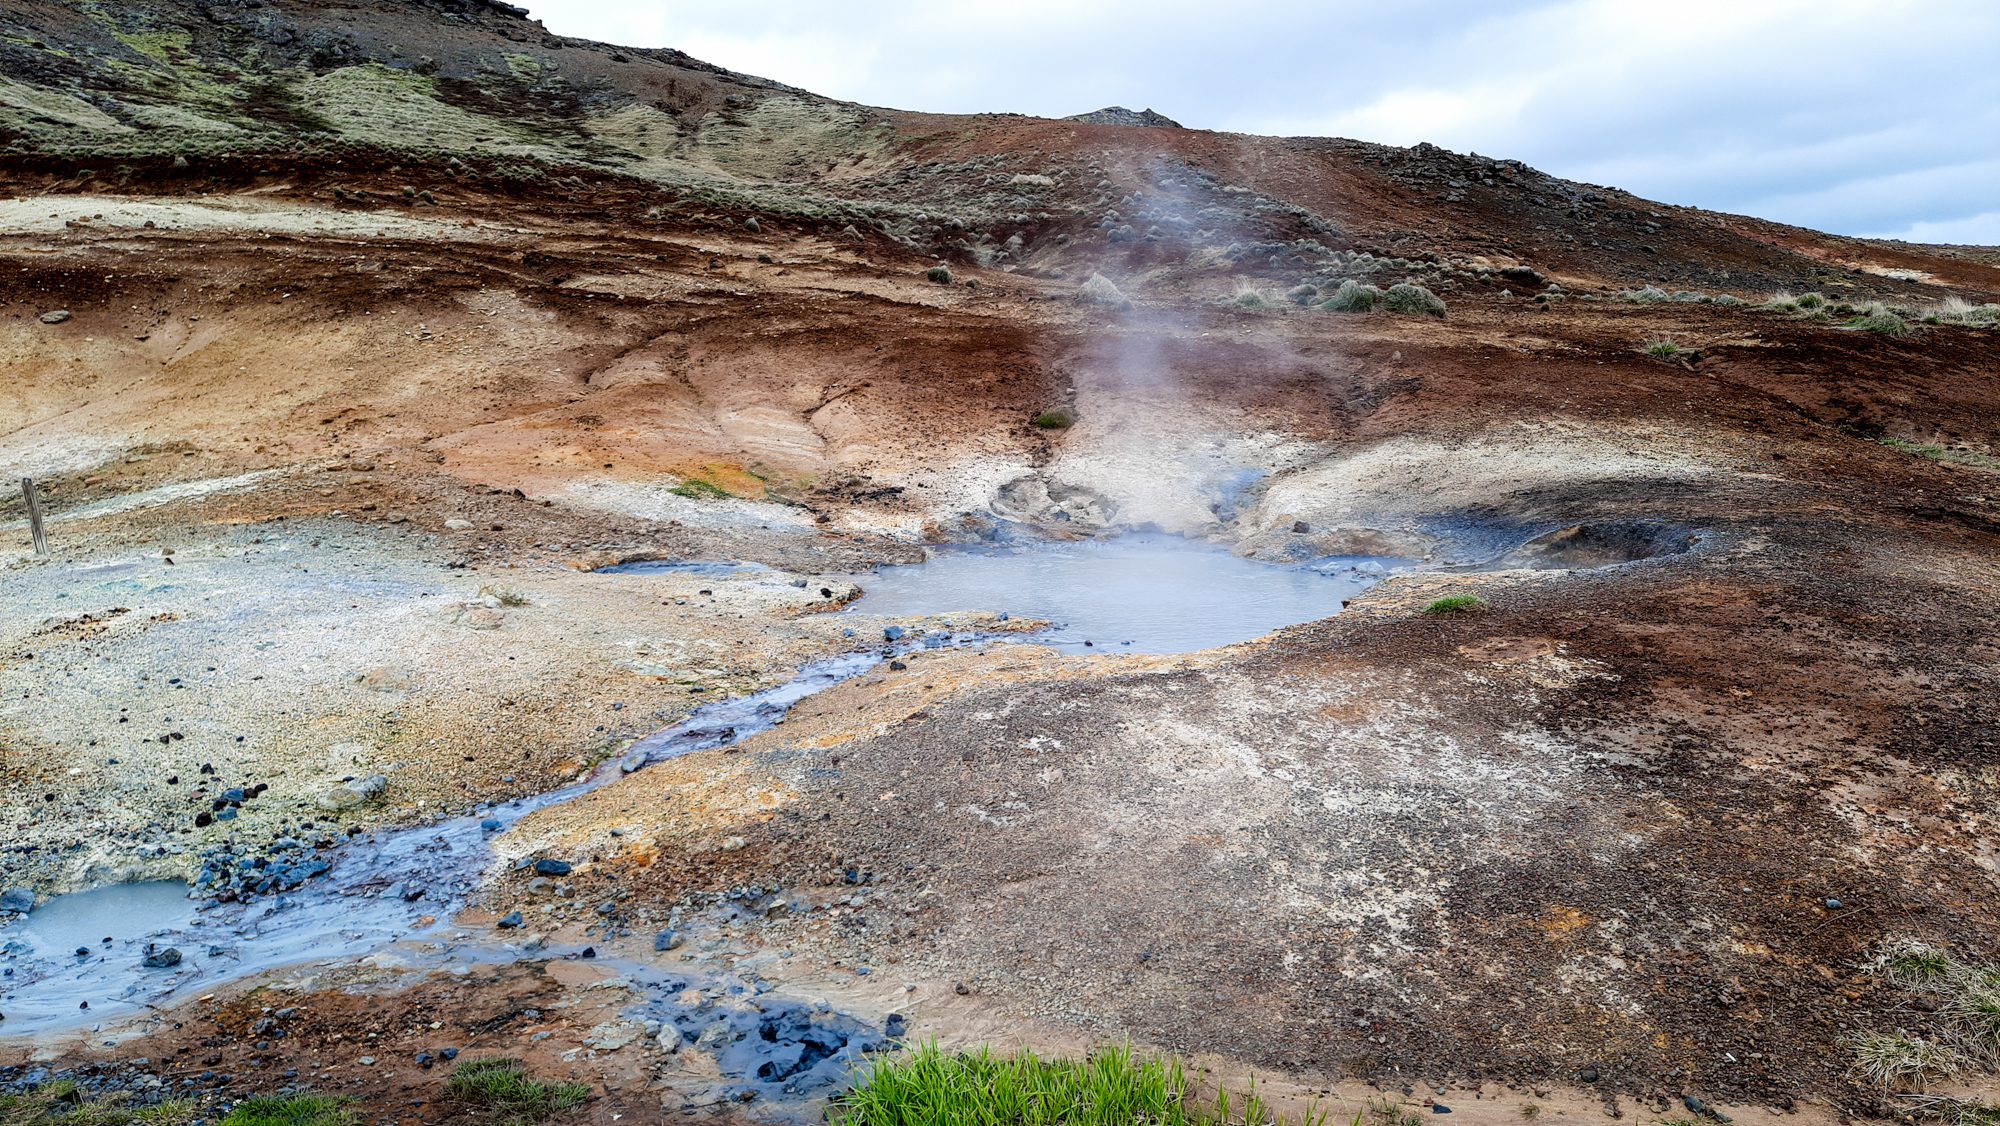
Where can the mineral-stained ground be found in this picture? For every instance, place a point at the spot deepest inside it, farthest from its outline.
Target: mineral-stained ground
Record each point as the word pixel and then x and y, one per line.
pixel 345 341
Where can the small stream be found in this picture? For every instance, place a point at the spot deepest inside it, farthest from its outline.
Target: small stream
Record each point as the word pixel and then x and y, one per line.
pixel 80 959
pixel 103 954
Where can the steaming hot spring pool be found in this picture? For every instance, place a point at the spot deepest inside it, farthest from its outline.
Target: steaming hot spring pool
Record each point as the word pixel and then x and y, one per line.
pixel 1140 593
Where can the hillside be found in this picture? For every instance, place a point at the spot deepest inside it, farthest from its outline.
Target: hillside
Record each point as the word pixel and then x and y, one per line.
pixel 347 342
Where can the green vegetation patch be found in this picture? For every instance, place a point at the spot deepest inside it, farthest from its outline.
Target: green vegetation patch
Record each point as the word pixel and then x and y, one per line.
pixel 1880 320
pixel 503 1085
pixel 294 1110
pixel 64 1103
pixel 930 1087
pixel 1937 452
pixel 1458 604
pixel 1967 1032
pixel 697 488
pixel 1353 297
pixel 1407 298
pixel 1889 1059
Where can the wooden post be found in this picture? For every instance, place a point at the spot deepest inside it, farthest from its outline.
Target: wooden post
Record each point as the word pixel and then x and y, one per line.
pixel 35 516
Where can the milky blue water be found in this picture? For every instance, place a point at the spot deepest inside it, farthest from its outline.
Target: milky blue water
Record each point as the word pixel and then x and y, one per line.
pixel 1133 594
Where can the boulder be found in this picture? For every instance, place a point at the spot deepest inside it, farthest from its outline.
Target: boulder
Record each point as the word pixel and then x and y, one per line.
pixel 162 959
pixel 353 795
pixel 55 316
pixel 547 867
pixel 614 1034
pixel 17 901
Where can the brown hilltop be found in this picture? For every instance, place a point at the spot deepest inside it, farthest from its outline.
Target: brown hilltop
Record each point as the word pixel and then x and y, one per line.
pixel 1599 828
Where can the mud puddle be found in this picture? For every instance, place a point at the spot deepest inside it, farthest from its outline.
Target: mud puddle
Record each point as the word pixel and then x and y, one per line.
pixel 1134 594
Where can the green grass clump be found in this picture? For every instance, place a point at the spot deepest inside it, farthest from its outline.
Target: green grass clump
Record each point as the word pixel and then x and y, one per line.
pixel 1407 298
pixel 1056 418
pixel 1917 965
pixel 930 1087
pixel 1810 301
pixel 1968 1032
pixel 1889 1059
pixel 1952 1112
pixel 1957 310
pixel 295 1110
pixel 940 274
pixel 697 488
pixel 1879 319
pixel 63 1103
pixel 1457 604
pixel 1353 297
pixel 1660 346
pixel 503 1085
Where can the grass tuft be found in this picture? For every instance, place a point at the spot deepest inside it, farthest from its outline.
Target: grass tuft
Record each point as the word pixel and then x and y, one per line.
pixel 1810 301
pixel 63 1104
pixel 1645 295
pixel 1660 346
pixel 1951 1111
pixel 295 1110
pixel 940 274
pixel 1458 604
pixel 1889 1059
pixel 502 1084
pixel 1353 297
pixel 1879 319
pixel 1056 418
pixel 1250 297
pixel 930 1087
pixel 1407 298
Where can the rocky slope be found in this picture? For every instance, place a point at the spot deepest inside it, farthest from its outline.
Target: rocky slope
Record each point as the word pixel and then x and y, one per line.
pixel 385 323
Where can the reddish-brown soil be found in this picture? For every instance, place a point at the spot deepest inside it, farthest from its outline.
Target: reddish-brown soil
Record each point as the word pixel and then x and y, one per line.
pixel 1650 822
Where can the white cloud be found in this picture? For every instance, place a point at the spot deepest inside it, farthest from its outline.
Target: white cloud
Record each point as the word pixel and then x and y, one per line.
pixel 1850 115
pixel 1973 230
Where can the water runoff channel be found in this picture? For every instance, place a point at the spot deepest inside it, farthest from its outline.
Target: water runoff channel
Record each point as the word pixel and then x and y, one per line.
pixel 111 953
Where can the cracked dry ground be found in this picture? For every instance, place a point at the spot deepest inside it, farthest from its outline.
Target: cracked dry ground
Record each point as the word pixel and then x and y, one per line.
pixel 1600 827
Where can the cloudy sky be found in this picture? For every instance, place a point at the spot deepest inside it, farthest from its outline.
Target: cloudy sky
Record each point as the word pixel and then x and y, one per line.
pixel 1866 117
